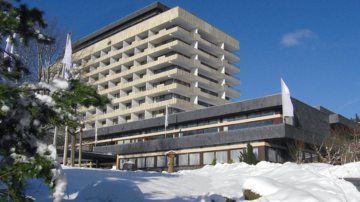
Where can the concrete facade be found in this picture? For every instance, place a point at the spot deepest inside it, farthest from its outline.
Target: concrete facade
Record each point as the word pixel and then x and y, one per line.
pixel 155 57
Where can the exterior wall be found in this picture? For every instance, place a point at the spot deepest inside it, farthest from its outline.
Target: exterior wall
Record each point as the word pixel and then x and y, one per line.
pixel 121 63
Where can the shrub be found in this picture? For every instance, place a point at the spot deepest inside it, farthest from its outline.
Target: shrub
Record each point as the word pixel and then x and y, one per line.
pixel 213 162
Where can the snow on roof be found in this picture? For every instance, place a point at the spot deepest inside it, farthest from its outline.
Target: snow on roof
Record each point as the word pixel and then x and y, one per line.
pixel 171 152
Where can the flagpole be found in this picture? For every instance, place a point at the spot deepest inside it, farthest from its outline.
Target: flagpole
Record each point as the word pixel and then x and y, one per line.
pixel 282 101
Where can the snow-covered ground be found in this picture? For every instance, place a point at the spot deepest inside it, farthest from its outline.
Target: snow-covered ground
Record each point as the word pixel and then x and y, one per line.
pixel 276 182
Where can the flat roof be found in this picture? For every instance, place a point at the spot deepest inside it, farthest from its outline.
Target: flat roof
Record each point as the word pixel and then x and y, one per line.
pixel 119 25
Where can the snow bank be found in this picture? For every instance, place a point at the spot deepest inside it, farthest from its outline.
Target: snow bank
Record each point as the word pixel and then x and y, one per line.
pixel 110 190
pixel 276 182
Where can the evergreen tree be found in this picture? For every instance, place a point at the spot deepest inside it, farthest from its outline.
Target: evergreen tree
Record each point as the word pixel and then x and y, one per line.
pixel 24 113
pixel 213 161
pixel 248 156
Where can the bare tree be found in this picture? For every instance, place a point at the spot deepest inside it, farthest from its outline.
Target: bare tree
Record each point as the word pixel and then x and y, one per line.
pixel 296 149
pixel 341 147
pixel 41 58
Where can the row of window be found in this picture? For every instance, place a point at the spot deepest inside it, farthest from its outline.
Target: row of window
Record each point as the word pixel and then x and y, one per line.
pixel 207 122
pixel 192 159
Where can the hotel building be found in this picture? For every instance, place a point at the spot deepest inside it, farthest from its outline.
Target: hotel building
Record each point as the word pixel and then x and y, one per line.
pixel 155 57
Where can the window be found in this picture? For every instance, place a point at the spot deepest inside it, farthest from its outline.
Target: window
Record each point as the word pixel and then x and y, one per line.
pixel 254 115
pixel 142 88
pixel 161 161
pixel 240 126
pixel 106 87
pixel 116 95
pixel 214 121
pixel 267 113
pixel 271 154
pixel 103 123
pixel 188 133
pixel 212 130
pixel 227 128
pixel 235 154
pixel 116 107
pixel 194 159
pixel 104 111
pixel 128 105
pixel 240 117
pixel 127 118
pixel 153 138
pixel 192 125
pixel 183 160
pixel 169 135
pixel 141 116
pixel 202 123
pixel 160 137
pixel 115 121
pixel 268 122
pixel 254 124
pixel 208 157
pixel 128 92
pixel 228 119
pixel 221 157
pixel 149 162
pixel 141 102
pixel 140 162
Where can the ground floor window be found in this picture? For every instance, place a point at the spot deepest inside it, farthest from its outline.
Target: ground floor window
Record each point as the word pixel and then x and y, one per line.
pixel 140 162
pixel 208 157
pixel 161 161
pixel 183 160
pixel 194 159
pixel 149 162
pixel 235 154
pixel 221 157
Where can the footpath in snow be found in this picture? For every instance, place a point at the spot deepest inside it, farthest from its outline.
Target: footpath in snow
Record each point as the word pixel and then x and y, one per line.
pixel 275 182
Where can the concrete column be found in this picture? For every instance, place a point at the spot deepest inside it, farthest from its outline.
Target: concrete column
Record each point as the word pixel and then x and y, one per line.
pixel 195 57
pixel 92 68
pixel 149 59
pixel 93 57
pixel 194 71
pixel 221 57
pixel 148 86
pixel 136 63
pixel 125 43
pixel 135 89
pixel 194 84
pixel 101 76
pixel 124 55
pixel 122 94
pixel 113 48
pixel 113 60
pixel 124 68
pixel 222 95
pixel 133 117
pixel 194 99
pixel 149 72
pixel 195 44
pixel 196 30
pixel 148 114
pixel 150 45
pixel 103 53
pixel 137 38
pixel 83 61
pixel 121 119
pixel 137 51
pixel 150 33
pixel 134 103
pixel 112 72
pixel 222 70
pixel 148 100
pixel 221 45
pixel 221 82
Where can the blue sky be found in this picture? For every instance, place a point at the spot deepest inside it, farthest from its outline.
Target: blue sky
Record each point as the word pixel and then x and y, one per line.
pixel 313 45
